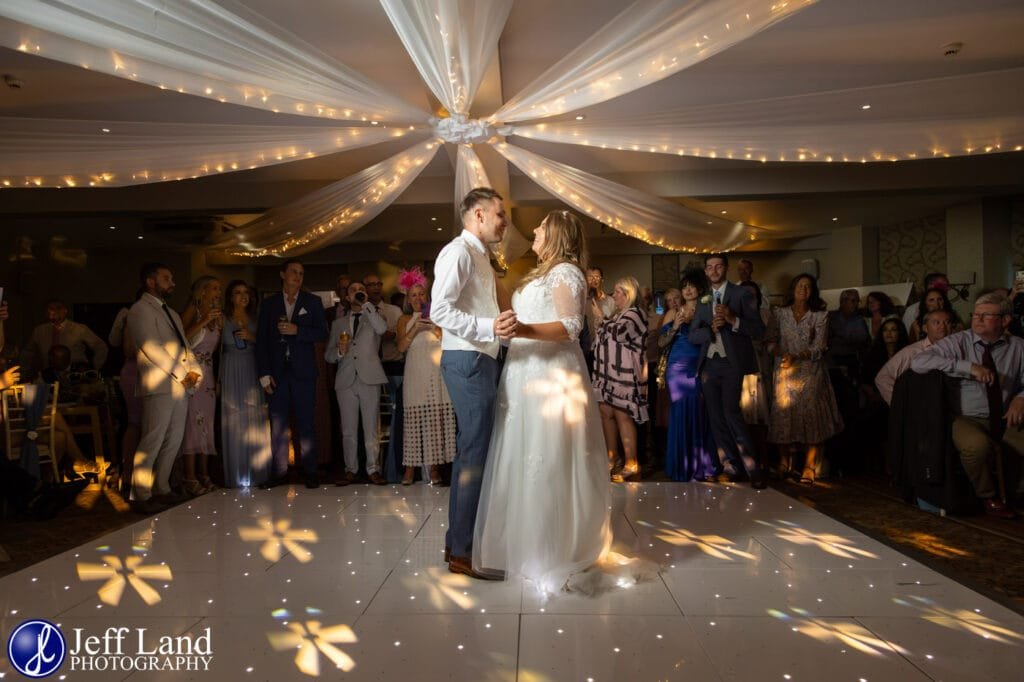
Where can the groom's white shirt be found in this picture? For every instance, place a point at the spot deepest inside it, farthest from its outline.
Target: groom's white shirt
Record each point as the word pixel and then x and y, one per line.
pixel 463 299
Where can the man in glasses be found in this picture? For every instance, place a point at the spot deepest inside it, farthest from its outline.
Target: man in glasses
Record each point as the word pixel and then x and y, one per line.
pixel 990 363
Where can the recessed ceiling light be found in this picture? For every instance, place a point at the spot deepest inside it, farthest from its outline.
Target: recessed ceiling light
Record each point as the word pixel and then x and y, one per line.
pixel 439 229
pixel 865 106
pixel 434 219
pixel 375 123
pixel 580 117
pixel 111 227
pixel 140 236
pixel 106 130
pixel 723 212
pixel 835 219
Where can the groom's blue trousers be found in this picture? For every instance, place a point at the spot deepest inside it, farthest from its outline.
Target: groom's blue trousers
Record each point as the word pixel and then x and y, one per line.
pixel 472 381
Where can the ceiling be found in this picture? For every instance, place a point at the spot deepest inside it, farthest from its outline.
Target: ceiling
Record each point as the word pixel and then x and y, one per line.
pixel 834 44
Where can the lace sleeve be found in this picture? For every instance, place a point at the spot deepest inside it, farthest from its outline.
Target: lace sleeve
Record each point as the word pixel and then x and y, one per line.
pixel 568 292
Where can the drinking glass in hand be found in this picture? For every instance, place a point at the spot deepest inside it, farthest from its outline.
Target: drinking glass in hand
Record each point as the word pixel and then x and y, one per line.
pixel 283 319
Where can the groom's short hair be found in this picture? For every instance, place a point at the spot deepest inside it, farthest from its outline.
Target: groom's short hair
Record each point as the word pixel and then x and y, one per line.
pixel 477 196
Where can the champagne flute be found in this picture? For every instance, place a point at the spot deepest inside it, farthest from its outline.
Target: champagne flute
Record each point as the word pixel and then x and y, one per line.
pixel 287 346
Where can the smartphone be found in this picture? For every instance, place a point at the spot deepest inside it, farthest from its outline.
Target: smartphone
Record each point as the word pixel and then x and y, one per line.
pixel 659 302
pixel 425 312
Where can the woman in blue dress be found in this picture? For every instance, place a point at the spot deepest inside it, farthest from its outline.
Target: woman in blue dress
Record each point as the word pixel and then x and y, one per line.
pixel 691 450
pixel 245 428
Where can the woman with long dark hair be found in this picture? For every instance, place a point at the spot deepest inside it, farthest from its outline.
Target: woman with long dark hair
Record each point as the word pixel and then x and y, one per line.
pixel 244 424
pixel 804 412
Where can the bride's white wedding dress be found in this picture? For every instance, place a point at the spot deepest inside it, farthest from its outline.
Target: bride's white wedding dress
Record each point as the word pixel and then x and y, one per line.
pixel 544 503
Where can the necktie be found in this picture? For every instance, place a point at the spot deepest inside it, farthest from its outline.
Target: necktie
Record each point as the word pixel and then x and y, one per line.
pixel 718 297
pixel 355 324
pixel 994 393
pixel 170 318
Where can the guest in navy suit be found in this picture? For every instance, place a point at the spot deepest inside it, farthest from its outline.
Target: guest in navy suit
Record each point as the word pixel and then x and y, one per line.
pixel 290 324
pixel 724 326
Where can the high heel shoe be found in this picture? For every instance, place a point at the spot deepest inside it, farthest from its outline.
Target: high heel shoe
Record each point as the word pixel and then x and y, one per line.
pixel 408 476
pixel 435 475
pixel 208 484
pixel 192 487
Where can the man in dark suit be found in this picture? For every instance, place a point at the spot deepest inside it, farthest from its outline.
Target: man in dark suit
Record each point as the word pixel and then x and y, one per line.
pixel 290 324
pixel 726 322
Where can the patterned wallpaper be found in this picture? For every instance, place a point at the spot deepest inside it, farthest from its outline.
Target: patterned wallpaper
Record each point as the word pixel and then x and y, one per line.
pixel 1017 234
pixel 911 249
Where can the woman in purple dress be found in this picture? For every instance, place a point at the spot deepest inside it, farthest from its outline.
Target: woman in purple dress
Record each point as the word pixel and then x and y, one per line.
pixel 691 450
pixel 203 321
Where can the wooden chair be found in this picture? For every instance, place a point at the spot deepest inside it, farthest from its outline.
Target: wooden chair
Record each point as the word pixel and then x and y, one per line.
pixel 12 402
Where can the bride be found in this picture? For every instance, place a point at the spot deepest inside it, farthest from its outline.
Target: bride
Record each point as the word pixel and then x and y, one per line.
pixel 544 503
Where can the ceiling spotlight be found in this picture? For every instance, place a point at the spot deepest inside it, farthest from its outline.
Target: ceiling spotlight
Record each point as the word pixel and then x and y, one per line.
pixel 723 212
pixel 375 123
pixel 865 107
pixel 111 227
pixel 440 229
pixel 580 117
pixel 835 219
pixel 106 130
pixel 433 219
pixel 140 236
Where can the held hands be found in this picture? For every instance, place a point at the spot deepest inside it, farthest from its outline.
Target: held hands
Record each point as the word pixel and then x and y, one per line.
pixel 287 328
pixel 982 374
pixel 506 325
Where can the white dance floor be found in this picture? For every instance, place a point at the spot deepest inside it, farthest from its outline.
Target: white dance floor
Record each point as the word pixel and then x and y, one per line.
pixel 294 583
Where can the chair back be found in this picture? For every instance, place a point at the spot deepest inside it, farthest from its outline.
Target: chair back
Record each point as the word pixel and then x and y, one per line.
pixel 19 433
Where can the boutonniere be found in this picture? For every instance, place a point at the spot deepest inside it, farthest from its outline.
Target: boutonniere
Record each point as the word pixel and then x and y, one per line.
pixel 705 299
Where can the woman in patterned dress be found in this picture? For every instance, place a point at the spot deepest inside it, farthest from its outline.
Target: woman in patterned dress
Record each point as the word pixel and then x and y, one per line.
pixel 202 320
pixel 804 411
pixel 620 376
pixel 429 419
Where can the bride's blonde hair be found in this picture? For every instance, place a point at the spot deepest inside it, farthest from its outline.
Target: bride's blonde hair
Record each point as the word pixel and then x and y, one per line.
pixel 564 242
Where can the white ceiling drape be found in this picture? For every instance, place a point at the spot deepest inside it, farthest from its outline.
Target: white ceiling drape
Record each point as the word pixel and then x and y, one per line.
pixel 827 126
pixel 648 41
pixel 74 153
pixel 332 212
pixel 223 51
pixel 451 43
pixel 651 219
pixel 219 50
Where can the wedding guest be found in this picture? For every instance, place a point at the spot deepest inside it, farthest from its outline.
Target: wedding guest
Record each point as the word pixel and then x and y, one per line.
pixel 990 365
pixel 393 363
pixel 937 326
pixel 340 308
pixel 353 347
pixel 290 325
pixel 168 370
pixel 121 337
pixel 690 454
pixel 757 387
pixel 934 299
pixel 891 339
pixel 58 330
pixel 620 376
pixel 725 326
pixel 244 427
pixel 933 280
pixel 202 315
pixel 657 400
pixel 745 270
pixel 804 412
pixel 880 308
pixel 429 419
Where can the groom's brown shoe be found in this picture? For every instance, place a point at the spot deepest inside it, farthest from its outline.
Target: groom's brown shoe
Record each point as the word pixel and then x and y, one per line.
pixel 457 564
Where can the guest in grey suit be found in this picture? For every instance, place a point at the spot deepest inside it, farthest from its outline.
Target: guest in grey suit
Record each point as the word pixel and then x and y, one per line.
pixel 726 323
pixel 168 370
pixel 353 346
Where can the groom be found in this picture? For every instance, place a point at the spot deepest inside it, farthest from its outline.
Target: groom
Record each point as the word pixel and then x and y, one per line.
pixel 465 305
pixel 723 328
